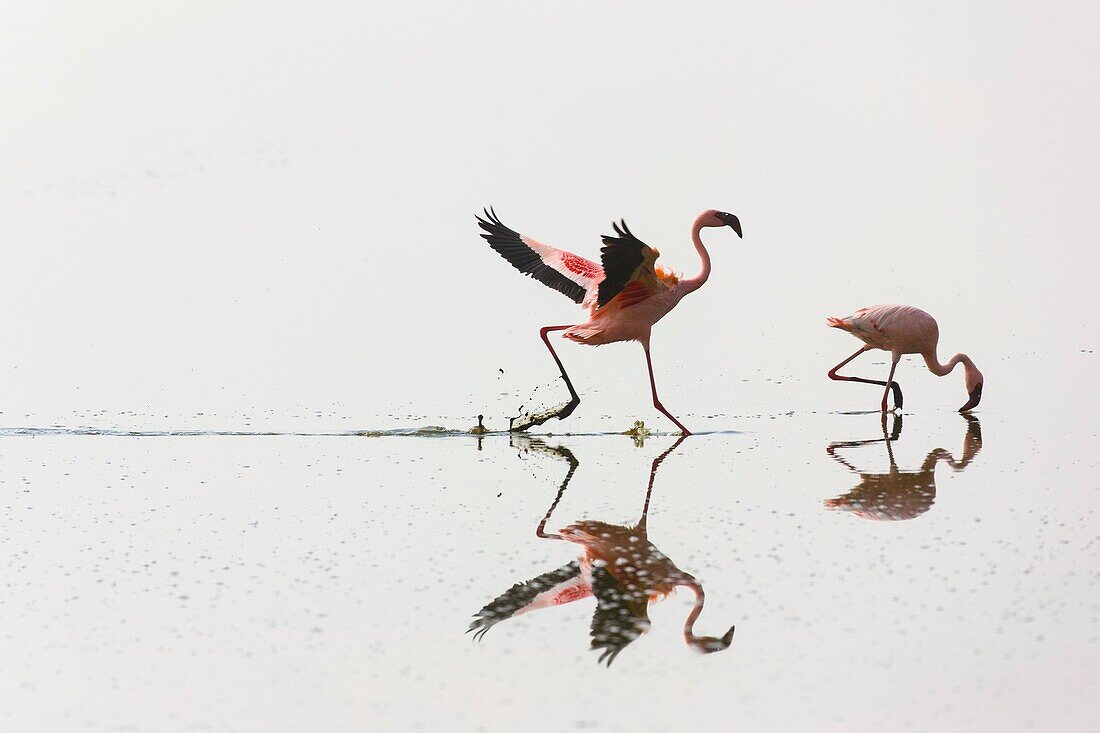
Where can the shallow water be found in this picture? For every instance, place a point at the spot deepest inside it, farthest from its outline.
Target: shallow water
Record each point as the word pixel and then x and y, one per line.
pixel 945 579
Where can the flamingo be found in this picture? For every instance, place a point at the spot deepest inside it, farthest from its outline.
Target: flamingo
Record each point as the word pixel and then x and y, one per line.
pixel 618 565
pixel 903 329
pixel 624 295
pixel 900 494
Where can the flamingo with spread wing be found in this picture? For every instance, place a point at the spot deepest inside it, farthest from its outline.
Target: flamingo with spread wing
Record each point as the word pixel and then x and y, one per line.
pixel 624 295
pixel 618 565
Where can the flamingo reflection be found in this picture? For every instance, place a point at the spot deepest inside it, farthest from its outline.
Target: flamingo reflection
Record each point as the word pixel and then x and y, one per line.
pixel 899 495
pixel 618 565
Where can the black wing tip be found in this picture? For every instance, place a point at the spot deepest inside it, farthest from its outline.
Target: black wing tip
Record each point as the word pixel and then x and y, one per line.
pixel 622 235
pixel 493 226
pixel 510 245
pixel 622 229
pixel 480 627
pixel 608 656
pixel 490 215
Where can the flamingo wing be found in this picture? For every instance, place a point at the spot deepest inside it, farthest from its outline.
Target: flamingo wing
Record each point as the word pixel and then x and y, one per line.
pixel 564 585
pixel 563 271
pixel 891 327
pixel 622 614
pixel 628 265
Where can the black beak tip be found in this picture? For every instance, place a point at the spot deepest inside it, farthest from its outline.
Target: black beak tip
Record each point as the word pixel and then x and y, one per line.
pixel 975 398
pixel 732 222
pixel 711 644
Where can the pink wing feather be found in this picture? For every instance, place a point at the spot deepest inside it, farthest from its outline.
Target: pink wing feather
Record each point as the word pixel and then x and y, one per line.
pixel 563 271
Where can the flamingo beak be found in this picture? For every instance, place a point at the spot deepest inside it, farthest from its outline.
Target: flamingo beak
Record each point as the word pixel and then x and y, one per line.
pixel 731 221
pixel 710 644
pixel 975 398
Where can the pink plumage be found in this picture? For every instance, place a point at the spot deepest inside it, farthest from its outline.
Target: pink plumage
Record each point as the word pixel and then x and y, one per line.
pixel 624 295
pixel 618 565
pixel 903 329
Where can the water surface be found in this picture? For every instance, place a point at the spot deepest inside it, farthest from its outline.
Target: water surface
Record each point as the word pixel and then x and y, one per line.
pixel 938 573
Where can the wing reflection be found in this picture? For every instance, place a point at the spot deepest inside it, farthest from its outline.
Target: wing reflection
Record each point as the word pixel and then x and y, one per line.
pixel 899 495
pixel 618 566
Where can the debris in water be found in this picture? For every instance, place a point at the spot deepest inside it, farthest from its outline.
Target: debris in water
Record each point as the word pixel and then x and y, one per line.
pixel 639 433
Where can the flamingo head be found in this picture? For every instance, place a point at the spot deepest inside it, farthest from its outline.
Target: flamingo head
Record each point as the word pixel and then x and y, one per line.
pixel 715 218
pixel 974 383
pixel 710 644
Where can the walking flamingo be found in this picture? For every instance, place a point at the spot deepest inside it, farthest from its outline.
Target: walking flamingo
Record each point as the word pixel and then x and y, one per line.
pixel 624 295
pixel 619 566
pixel 903 329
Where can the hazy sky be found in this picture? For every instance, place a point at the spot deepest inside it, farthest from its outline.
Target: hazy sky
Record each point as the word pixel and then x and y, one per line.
pixel 228 215
pixel 259 207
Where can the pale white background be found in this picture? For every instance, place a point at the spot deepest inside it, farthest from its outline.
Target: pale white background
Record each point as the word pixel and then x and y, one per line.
pixel 260 216
pixel 263 212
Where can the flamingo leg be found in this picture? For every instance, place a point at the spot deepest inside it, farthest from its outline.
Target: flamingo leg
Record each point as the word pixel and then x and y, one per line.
pixel 892 384
pixel 565 410
pixel 889 442
pixel 889 383
pixel 656 400
pixel 652 475
pixel 888 438
pixel 562 412
pixel 574 400
pixel 540 531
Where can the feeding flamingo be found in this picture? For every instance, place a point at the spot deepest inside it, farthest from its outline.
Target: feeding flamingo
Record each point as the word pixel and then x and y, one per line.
pixel 900 494
pixel 624 295
pixel 619 566
pixel 903 329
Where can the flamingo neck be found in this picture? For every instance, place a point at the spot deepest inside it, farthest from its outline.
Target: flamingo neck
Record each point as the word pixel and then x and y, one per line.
pixel 697 282
pixel 942 370
pixel 689 624
pixel 972 444
pixel 933 459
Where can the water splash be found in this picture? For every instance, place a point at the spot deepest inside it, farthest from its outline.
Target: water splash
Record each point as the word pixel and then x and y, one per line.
pixel 525 420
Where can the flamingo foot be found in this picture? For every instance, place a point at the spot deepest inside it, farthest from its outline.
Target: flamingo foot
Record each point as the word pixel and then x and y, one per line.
pixel 896 388
pixel 524 421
